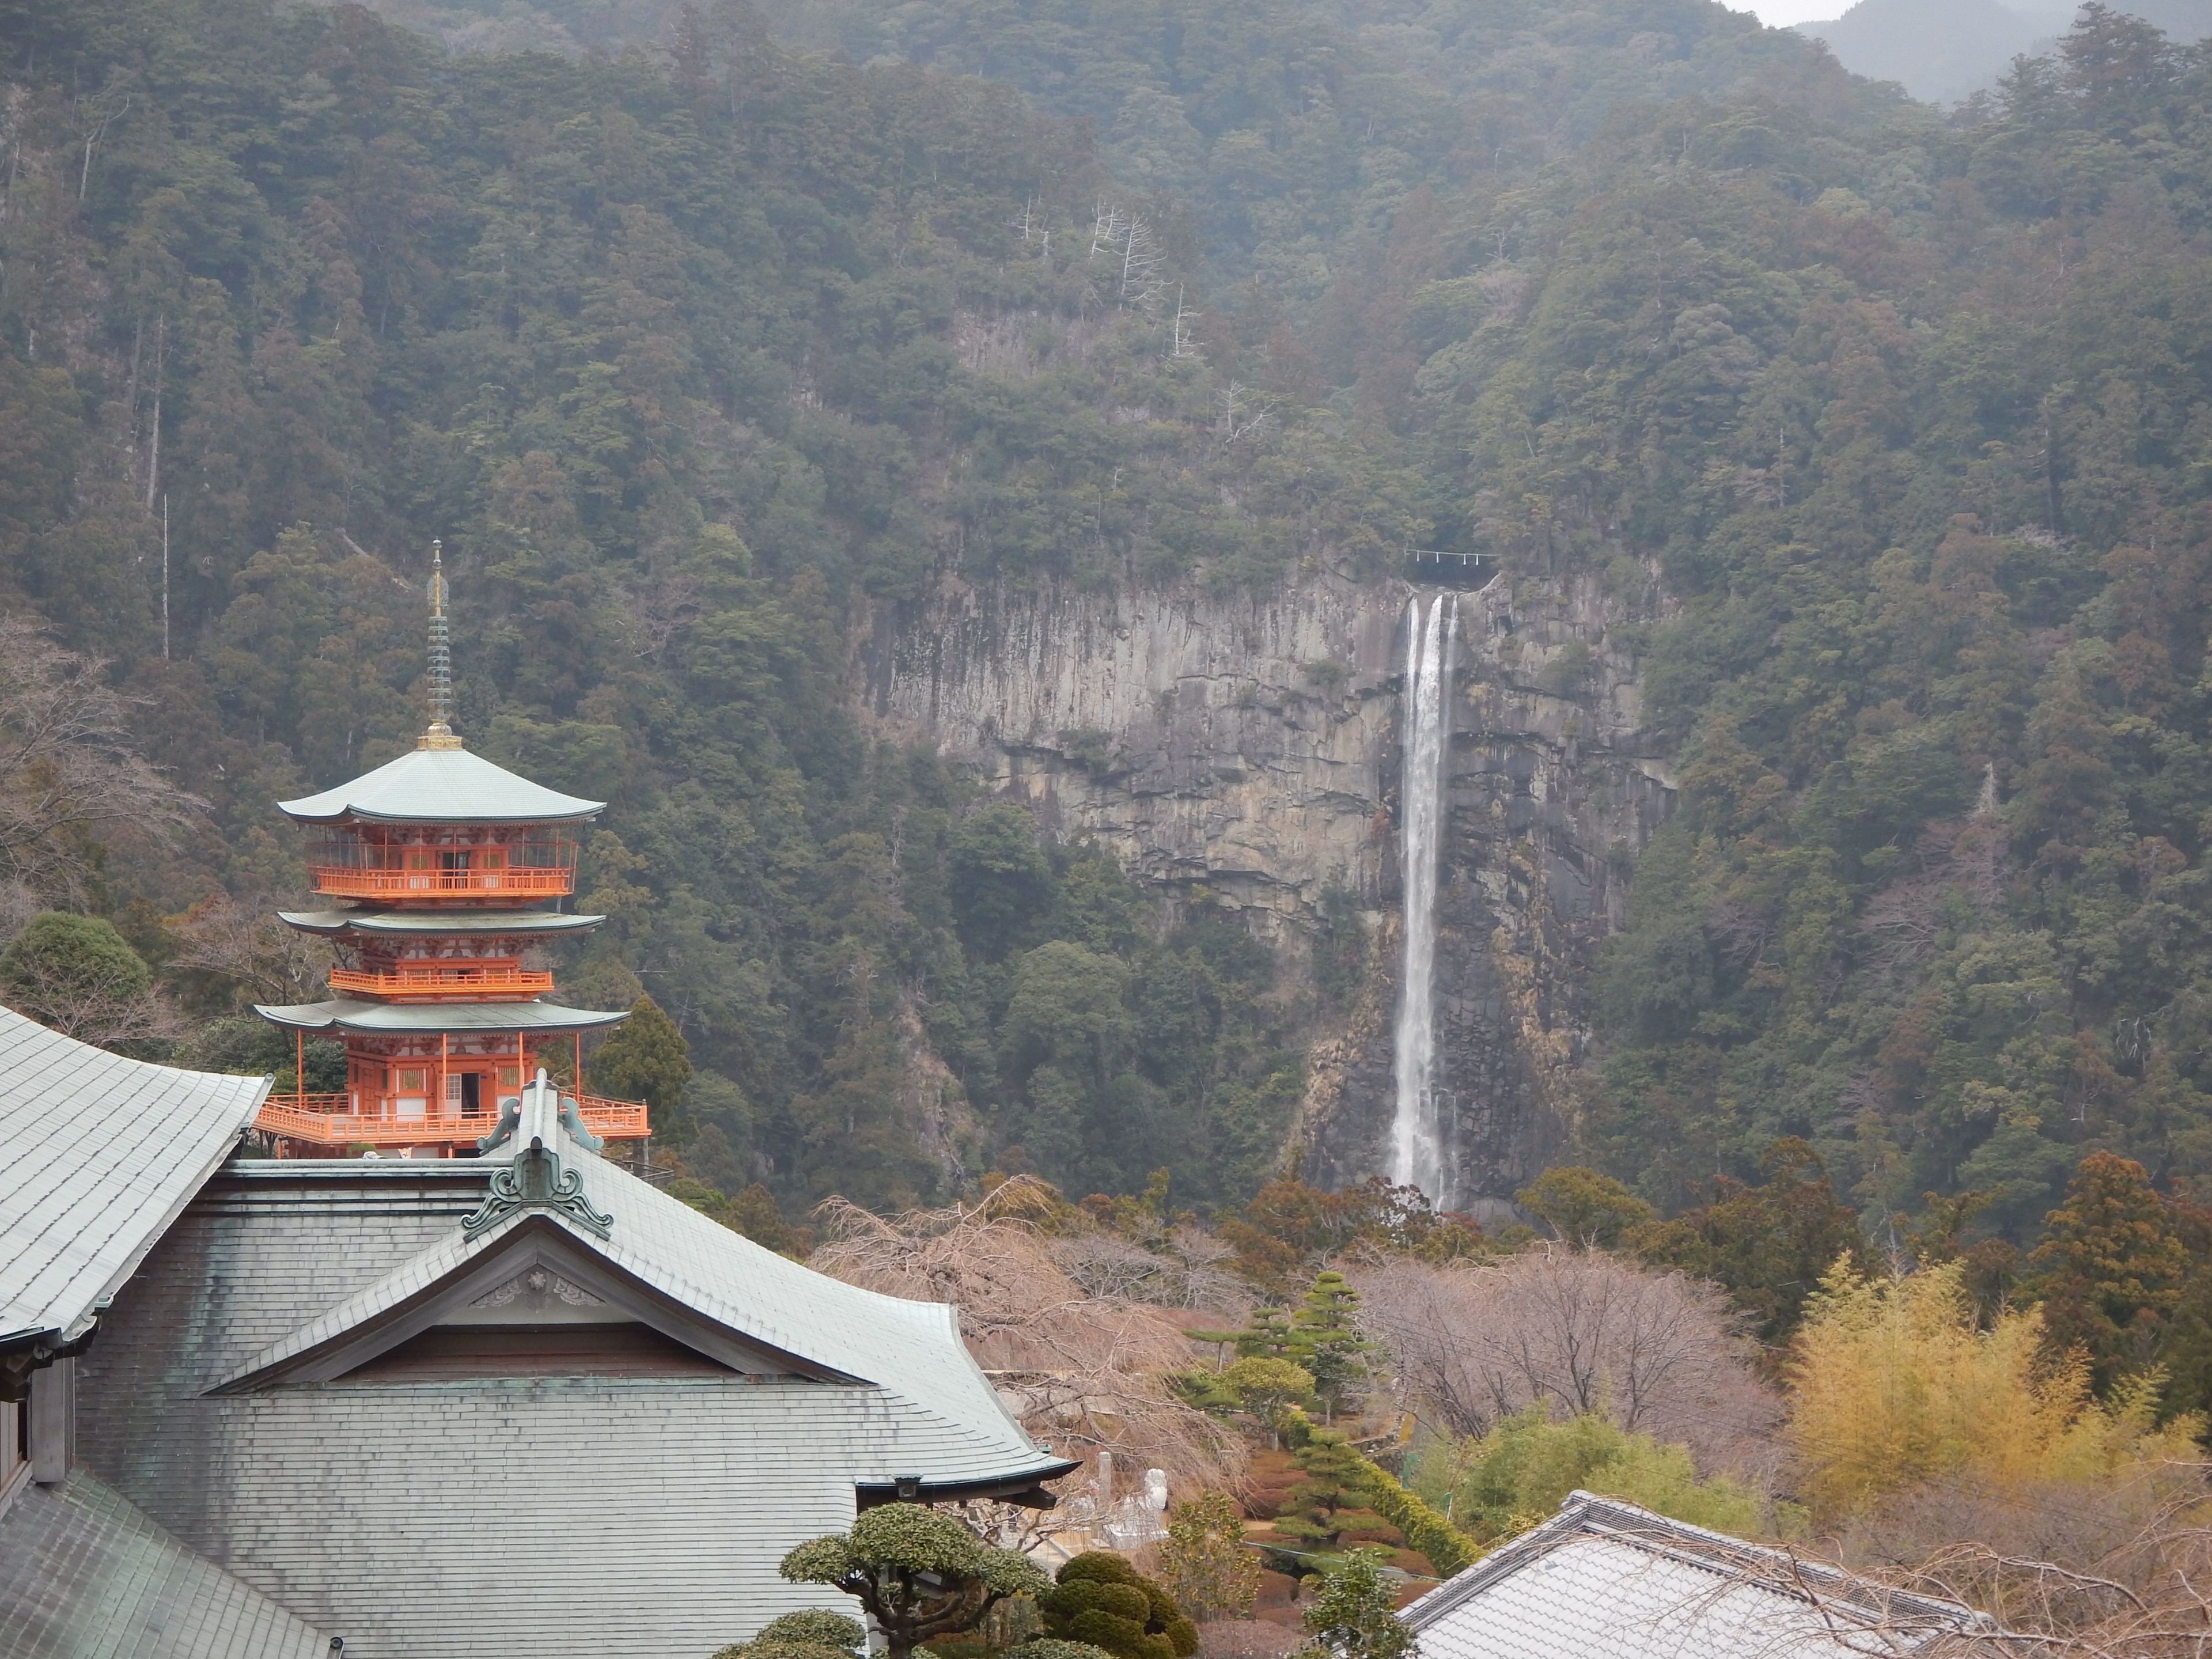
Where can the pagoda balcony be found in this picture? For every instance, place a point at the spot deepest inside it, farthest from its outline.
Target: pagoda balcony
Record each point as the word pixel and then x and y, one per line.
pixel 355 881
pixel 457 982
pixel 334 1120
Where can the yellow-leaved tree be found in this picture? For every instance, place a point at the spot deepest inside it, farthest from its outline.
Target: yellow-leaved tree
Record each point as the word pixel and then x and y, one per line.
pixel 1895 1385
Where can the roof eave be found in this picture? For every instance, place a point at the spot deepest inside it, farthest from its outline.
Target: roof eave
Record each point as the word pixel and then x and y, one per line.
pixel 355 815
pixel 341 1015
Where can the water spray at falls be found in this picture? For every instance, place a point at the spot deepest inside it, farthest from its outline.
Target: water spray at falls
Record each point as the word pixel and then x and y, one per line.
pixel 1417 1144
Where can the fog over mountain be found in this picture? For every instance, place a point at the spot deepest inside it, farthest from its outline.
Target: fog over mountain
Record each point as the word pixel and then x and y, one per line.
pixel 1946 50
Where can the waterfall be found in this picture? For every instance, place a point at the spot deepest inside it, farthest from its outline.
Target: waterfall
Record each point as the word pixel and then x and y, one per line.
pixel 1417 1138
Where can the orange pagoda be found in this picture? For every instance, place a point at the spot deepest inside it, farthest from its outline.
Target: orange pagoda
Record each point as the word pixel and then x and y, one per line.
pixel 448 869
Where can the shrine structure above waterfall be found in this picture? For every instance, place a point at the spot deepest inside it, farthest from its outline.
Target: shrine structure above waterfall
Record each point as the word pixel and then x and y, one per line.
pixel 452 871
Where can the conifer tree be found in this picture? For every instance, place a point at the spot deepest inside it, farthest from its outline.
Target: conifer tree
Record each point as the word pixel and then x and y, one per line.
pixel 1331 1500
pixel 2115 1264
pixel 1351 1616
pixel 646 1058
pixel 920 1574
pixel 1327 1342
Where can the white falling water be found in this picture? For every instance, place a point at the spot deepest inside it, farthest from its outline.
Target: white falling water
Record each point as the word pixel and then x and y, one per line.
pixel 1417 1140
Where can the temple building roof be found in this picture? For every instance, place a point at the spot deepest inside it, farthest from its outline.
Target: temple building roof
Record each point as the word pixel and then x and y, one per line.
pixel 433 924
pixel 442 785
pixel 343 1014
pixel 451 1409
pixel 98 1155
pixel 85 1575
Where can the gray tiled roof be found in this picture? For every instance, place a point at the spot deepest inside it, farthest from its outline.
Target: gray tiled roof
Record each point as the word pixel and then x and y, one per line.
pixel 911 1348
pixel 569 1517
pixel 438 921
pixel 84 1575
pixel 345 1015
pixel 441 786
pixel 1604 1579
pixel 98 1154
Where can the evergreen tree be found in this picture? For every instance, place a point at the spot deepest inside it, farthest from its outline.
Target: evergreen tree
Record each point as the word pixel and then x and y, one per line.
pixel 1267 1388
pixel 1326 1342
pixel 646 1058
pixel 1353 1615
pixel 2113 1267
pixel 920 1574
pixel 1331 1499
pixel 1582 1207
pixel 79 976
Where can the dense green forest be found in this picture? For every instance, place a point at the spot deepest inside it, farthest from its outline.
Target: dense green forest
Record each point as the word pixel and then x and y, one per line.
pixel 1885 429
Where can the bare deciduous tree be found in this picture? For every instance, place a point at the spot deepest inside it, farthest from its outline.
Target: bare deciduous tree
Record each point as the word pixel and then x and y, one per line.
pixel 1084 1370
pixel 1184 1271
pixel 1658 1352
pixel 68 773
pixel 276 963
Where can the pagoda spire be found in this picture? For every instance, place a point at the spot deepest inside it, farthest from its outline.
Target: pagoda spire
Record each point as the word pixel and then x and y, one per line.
pixel 441 733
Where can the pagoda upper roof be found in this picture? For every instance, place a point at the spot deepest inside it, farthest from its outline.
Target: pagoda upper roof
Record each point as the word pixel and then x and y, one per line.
pixel 345 1014
pixel 437 924
pixel 441 785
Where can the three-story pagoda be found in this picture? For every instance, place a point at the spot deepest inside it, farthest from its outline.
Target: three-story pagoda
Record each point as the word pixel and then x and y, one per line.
pixel 448 869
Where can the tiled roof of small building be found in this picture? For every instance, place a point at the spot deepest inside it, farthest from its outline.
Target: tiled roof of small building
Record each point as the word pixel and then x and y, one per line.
pixel 1604 1579
pixel 84 1575
pixel 98 1154
pixel 441 786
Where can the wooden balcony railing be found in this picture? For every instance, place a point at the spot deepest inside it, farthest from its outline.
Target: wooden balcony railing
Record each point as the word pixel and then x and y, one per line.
pixel 347 881
pixel 444 984
pixel 329 1120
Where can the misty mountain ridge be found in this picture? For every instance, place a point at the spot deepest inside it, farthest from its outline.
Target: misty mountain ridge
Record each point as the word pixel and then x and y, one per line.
pixel 1942 50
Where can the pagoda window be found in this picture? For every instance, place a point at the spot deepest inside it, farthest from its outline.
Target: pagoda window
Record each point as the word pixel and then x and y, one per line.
pixel 410 1080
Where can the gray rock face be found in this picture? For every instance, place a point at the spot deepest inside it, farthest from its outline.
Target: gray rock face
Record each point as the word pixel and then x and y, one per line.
pixel 1244 750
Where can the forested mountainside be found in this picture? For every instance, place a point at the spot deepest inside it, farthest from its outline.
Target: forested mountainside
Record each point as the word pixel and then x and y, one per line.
pixel 1884 433
pixel 665 350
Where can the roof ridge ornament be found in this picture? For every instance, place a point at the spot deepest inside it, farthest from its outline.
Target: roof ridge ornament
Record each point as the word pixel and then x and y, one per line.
pixel 535 1179
pixel 441 732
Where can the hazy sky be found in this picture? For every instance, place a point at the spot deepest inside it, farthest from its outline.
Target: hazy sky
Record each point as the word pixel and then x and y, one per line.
pixel 1778 14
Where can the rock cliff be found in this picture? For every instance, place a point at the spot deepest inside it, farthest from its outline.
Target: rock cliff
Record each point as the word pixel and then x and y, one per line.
pixel 1243 751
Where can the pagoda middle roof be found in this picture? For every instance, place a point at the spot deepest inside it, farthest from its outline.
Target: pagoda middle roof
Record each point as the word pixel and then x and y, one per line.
pixel 345 1014
pixel 440 786
pixel 437 923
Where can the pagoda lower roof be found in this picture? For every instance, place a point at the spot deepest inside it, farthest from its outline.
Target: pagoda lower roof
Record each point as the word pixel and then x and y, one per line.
pixel 347 1015
pixel 440 924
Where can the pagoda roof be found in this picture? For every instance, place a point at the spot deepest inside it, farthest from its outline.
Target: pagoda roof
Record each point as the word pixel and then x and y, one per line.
pixel 98 1155
pixel 437 923
pixel 345 1014
pixel 440 786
